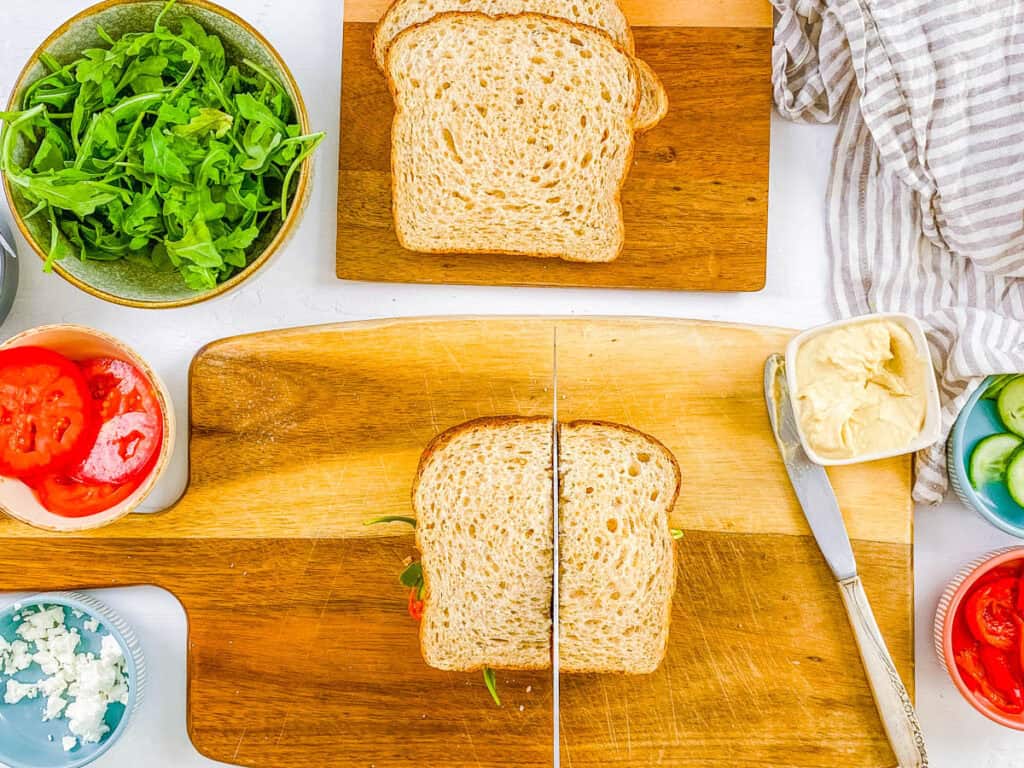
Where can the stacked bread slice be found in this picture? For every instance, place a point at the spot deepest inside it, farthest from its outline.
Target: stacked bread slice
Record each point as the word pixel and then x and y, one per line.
pixel 484 506
pixel 515 124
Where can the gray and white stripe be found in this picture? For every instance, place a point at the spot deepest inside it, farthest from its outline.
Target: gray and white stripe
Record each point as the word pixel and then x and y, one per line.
pixel 925 206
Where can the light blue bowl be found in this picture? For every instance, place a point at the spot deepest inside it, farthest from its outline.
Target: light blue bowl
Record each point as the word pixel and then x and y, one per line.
pixel 979 419
pixel 24 741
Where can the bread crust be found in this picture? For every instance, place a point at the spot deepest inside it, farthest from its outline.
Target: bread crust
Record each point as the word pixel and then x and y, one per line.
pixel 380 57
pixel 627 165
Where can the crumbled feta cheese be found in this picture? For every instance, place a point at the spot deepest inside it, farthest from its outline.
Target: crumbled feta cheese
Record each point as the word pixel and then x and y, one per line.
pixel 69 743
pixel 18 659
pixel 17 691
pixel 77 613
pixel 77 686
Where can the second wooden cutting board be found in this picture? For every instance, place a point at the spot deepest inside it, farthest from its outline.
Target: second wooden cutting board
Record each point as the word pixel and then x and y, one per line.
pixel 696 200
pixel 300 649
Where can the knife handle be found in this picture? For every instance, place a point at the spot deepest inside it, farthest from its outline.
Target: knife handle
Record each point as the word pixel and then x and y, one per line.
pixel 894 706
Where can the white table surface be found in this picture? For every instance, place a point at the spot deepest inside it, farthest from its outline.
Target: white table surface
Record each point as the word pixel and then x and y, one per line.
pixel 300 288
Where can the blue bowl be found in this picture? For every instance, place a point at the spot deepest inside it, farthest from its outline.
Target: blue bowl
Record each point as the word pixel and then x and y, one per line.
pixel 24 738
pixel 979 419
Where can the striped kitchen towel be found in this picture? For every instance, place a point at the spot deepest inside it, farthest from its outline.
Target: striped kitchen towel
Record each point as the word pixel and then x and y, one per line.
pixel 925 205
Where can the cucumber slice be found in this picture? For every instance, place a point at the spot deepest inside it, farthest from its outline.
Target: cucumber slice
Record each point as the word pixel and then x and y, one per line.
pixel 1011 406
pixel 1015 477
pixel 997 386
pixel 990 457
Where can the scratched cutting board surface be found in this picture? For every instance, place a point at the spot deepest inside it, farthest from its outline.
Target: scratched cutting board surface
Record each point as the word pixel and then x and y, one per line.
pixel 696 200
pixel 300 649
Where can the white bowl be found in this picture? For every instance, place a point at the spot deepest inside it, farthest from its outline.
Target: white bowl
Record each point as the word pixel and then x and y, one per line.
pixel 932 429
pixel 80 343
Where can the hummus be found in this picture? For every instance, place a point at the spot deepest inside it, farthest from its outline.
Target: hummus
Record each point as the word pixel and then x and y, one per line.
pixel 861 389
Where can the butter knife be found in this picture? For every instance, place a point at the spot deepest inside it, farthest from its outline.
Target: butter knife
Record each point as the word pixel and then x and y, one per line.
pixel 821 509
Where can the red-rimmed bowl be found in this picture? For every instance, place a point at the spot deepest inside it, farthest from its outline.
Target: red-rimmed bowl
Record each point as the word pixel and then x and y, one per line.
pixel 81 343
pixel 949 604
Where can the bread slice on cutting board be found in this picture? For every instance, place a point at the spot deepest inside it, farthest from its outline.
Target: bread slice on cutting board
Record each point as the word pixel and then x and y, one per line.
pixel 617 487
pixel 483 502
pixel 511 135
pixel 484 526
pixel 605 15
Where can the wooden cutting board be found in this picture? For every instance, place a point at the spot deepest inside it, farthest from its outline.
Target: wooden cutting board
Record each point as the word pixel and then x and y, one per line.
pixel 300 649
pixel 695 203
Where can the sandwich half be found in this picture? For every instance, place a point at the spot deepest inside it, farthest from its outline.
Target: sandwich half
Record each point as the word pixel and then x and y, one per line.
pixel 617 487
pixel 484 527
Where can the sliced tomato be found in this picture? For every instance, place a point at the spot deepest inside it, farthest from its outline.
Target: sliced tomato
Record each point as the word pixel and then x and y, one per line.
pixel 47 420
pixel 1003 671
pixel 415 604
pixel 990 611
pixel 962 637
pixel 118 387
pixel 67 497
pixel 972 670
pixel 1004 571
pixel 124 451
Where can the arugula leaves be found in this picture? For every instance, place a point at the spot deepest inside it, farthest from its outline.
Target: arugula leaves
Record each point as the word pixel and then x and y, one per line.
pixel 158 151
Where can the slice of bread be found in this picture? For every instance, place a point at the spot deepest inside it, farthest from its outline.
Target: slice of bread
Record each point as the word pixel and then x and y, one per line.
pixel 653 99
pixel 605 15
pixel 511 135
pixel 617 555
pixel 484 526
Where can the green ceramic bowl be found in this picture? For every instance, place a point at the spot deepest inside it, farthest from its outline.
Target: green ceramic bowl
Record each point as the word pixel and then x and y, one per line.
pixel 132 284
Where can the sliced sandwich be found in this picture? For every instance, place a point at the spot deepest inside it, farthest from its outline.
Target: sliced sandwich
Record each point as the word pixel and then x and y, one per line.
pixel 483 502
pixel 484 527
pixel 617 555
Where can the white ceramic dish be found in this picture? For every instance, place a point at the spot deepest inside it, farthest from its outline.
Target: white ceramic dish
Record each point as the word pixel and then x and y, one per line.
pixel 80 343
pixel 932 430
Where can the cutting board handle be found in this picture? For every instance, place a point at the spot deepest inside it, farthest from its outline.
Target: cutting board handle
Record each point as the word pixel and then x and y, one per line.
pixel 894 705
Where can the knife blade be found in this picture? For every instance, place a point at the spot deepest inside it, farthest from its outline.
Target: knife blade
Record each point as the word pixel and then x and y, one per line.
pixel 809 480
pixel 820 507
pixel 555 698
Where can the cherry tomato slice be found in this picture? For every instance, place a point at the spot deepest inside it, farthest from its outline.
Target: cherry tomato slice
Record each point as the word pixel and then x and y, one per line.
pixel 125 449
pixel 118 387
pixel 415 604
pixel 69 498
pixel 47 420
pixel 990 611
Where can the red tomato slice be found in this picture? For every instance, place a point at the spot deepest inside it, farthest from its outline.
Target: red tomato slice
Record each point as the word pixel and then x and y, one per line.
pixel 1006 570
pixel 962 637
pixel 124 451
pixel 118 387
pixel 70 498
pixel 1000 669
pixel 46 416
pixel 972 670
pixel 990 614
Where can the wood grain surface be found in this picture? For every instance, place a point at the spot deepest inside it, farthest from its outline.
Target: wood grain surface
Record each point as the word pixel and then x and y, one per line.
pixel 300 650
pixel 696 200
